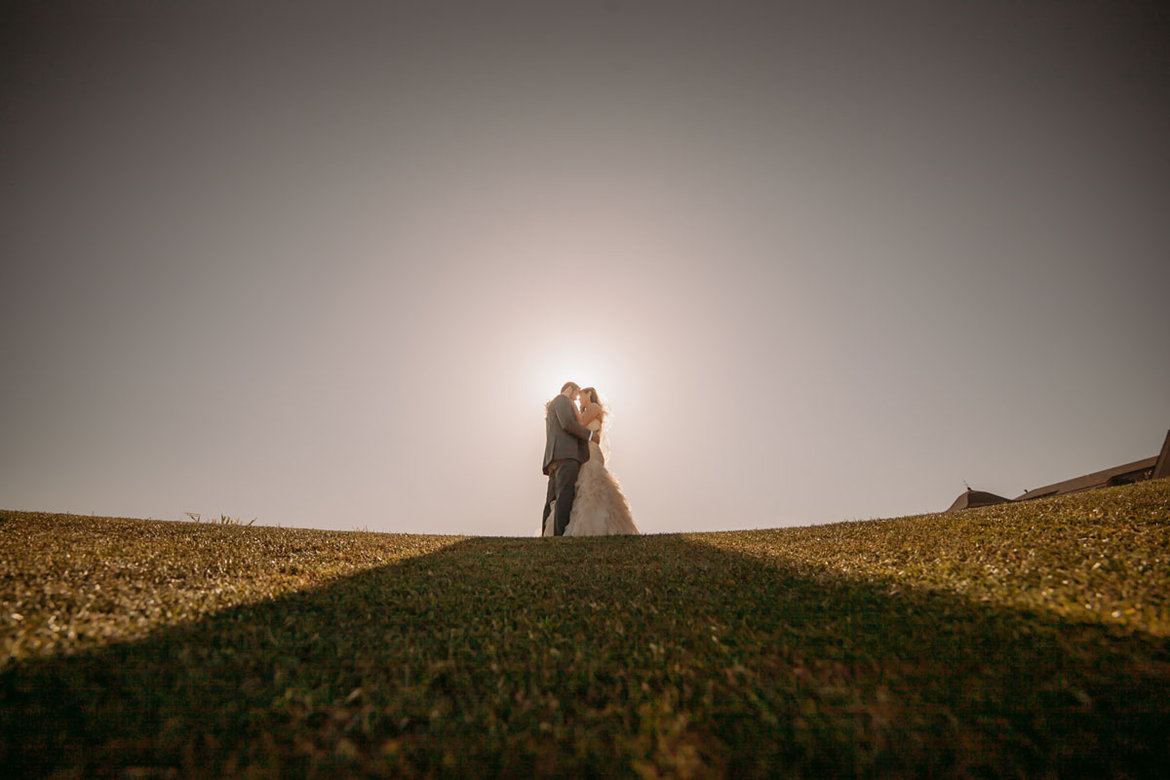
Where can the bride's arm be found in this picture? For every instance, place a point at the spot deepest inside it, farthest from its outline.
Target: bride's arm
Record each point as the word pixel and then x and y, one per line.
pixel 566 414
pixel 588 414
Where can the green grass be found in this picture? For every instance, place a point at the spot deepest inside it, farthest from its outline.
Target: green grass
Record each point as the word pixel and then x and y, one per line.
pixel 1018 640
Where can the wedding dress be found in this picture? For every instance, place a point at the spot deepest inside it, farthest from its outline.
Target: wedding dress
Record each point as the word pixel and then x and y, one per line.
pixel 599 508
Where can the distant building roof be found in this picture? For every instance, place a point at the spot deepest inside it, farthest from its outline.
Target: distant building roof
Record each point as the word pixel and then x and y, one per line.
pixel 973 498
pixel 1156 467
pixel 1162 467
pixel 1118 475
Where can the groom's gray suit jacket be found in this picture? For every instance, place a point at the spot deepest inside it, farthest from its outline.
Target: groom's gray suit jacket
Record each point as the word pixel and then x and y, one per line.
pixel 564 437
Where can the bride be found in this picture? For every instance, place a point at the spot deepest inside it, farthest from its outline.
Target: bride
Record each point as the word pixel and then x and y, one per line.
pixel 599 509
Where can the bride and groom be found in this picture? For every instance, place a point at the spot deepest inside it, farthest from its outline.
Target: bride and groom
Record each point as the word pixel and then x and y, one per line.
pixel 583 497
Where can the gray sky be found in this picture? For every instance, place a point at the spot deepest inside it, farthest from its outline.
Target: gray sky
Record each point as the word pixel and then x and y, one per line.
pixel 323 264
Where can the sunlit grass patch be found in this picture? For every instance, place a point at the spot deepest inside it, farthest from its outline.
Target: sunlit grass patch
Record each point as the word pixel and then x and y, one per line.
pixel 69 582
pixel 1102 555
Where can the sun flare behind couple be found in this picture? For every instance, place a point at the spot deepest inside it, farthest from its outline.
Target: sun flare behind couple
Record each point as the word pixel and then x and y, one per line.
pixel 584 498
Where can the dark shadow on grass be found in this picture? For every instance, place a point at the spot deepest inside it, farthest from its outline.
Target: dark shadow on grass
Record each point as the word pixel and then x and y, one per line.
pixel 599 658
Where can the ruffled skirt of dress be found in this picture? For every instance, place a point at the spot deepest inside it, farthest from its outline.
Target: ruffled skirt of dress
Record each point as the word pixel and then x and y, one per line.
pixel 600 508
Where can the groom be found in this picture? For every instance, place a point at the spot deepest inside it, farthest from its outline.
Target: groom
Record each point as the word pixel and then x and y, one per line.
pixel 566 447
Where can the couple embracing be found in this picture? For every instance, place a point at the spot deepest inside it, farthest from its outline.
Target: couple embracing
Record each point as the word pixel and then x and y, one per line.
pixel 583 498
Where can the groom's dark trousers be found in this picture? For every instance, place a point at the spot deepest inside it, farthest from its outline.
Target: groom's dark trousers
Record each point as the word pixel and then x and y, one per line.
pixel 562 489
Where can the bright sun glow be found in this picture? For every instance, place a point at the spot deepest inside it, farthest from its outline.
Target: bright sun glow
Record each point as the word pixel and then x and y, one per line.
pixel 583 374
pixel 585 366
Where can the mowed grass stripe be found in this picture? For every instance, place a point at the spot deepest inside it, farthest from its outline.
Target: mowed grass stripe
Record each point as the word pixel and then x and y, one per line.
pixel 1024 639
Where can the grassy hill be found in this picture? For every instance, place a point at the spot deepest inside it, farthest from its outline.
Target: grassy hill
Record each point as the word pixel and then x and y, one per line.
pixel 1022 640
